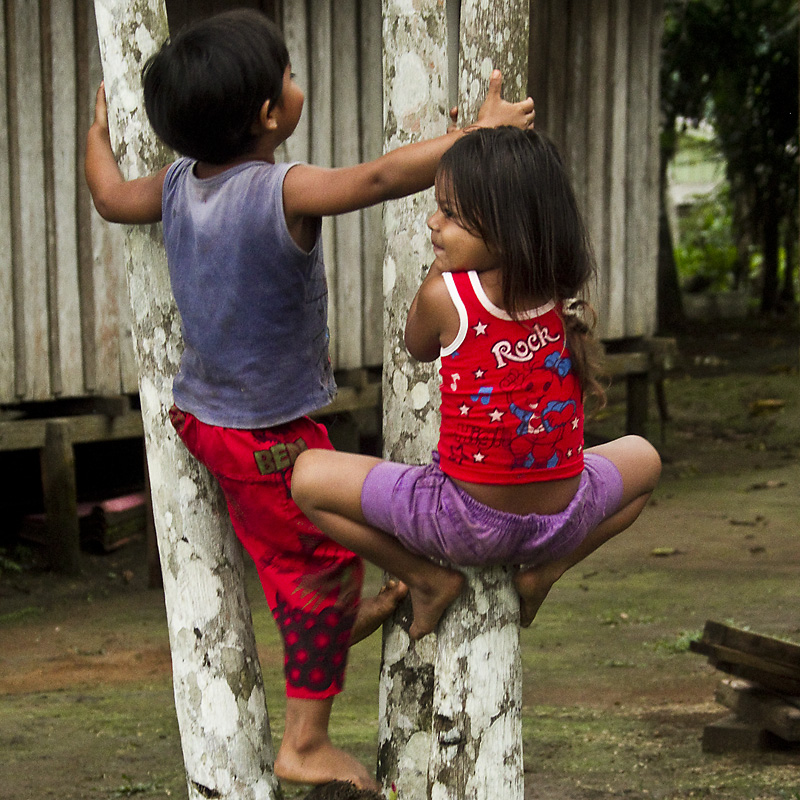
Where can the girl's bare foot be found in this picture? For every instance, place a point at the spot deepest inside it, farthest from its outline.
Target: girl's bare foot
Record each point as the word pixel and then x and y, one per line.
pixel 322 764
pixel 533 585
pixel 373 611
pixel 431 597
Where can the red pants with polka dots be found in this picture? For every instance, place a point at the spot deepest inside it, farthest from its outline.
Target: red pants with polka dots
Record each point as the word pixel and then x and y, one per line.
pixel 312 584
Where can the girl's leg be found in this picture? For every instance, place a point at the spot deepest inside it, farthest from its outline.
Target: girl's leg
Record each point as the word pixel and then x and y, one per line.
pixel 327 487
pixel 640 467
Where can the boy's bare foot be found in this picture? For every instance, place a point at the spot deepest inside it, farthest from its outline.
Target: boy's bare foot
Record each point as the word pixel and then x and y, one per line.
pixel 373 611
pixel 430 599
pixel 342 790
pixel 533 586
pixel 322 764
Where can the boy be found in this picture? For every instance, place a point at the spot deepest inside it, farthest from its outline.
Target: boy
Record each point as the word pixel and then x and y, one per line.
pixel 244 249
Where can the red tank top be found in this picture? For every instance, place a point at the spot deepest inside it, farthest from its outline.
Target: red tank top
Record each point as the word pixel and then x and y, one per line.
pixel 512 409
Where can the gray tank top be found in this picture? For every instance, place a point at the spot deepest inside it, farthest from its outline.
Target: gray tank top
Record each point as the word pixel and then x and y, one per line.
pixel 253 305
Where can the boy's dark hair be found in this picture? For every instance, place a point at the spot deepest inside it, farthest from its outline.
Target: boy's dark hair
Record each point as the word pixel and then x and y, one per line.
pixel 510 187
pixel 205 87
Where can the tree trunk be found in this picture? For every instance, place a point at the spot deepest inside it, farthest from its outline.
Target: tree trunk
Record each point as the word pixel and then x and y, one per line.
pixel 415 107
pixel 770 240
pixel 219 695
pixel 670 304
pixel 788 298
pixel 469 743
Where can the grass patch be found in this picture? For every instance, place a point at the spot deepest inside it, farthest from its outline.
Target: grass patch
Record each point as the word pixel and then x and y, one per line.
pixel 21 614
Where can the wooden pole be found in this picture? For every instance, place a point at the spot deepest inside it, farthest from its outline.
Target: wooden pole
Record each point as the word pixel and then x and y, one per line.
pixel 60 499
pixel 442 736
pixel 219 695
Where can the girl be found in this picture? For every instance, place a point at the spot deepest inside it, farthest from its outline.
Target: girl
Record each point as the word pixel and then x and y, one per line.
pixel 510 482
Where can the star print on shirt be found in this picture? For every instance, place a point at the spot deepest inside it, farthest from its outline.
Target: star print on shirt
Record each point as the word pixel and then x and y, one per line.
pixel 479 373
pixel 478 457
pixel 497 415
pixel 464 409
pixel 575 424
pixel 480 328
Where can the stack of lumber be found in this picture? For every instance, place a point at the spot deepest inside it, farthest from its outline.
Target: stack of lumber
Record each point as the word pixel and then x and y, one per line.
pixel 763 695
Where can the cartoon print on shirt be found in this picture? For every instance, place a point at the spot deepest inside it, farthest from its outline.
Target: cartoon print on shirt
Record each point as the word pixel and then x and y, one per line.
pixel 561 365
pixel 540 432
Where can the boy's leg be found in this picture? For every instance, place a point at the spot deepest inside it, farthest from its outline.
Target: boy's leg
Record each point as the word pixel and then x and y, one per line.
pixel 307 754
pixel 639 465
pixel 327 486
pixel 311 583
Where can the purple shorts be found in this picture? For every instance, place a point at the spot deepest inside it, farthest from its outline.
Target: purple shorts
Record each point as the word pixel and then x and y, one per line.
pixel 432 516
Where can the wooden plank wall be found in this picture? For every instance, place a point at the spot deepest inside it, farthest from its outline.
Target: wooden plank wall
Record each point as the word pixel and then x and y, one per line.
pixel 64 318
pixel 335 48
pixel 594 76
pixel 64 323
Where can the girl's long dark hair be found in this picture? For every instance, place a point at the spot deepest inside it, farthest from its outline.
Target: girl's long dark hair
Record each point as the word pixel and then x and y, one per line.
pixel 510 187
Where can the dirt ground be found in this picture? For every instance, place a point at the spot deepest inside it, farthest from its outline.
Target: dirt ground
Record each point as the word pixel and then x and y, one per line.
pixel 615 705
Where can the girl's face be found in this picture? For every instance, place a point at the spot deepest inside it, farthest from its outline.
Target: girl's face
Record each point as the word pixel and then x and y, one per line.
pixel 455 248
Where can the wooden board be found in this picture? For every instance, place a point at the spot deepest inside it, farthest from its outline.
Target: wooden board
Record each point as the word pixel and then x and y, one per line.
pixel 766 647
pixel 770 662
pixel 753 704
pixel 7 324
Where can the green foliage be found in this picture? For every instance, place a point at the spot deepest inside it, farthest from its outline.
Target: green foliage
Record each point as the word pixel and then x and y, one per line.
pixel 8 563
pixel 705 253
pixel 129 789
pixel 733 63
pixel 679 644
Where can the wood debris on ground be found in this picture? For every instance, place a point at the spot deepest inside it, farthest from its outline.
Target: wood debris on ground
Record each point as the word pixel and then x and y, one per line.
pixel 763 694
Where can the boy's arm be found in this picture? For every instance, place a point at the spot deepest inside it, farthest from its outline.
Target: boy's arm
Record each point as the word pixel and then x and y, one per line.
pixel 117 200
pixel 310 191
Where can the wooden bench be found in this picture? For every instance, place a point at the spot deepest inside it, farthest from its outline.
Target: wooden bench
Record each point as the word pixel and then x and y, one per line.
pixel 101 420
pixel 641 362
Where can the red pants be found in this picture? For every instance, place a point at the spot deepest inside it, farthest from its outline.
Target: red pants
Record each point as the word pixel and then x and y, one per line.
pixel 312 584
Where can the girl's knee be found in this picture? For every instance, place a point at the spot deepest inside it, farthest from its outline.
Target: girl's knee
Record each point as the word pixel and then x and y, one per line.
pixel 646 461
pixel 637 460
pixel 305 467
pixel 651 460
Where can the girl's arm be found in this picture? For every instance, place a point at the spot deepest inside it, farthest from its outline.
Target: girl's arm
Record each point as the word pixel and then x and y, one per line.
pixel 433 320
pixel 117 200
pixel 310 191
